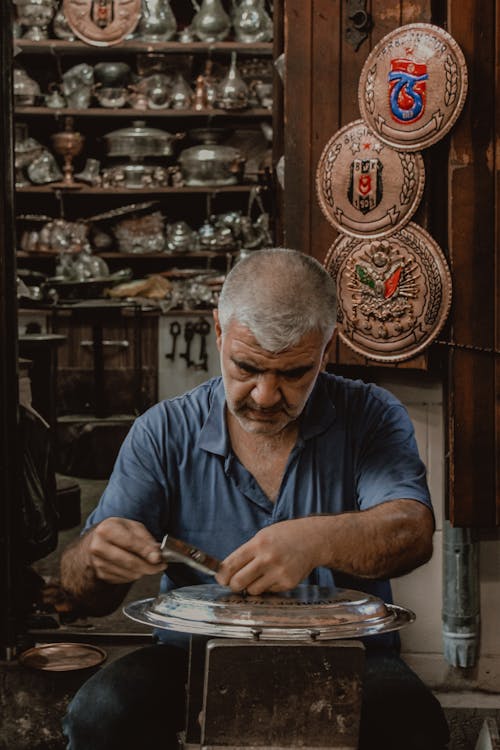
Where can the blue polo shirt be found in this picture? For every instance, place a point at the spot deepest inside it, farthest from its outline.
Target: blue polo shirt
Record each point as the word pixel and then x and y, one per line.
pixel 176 471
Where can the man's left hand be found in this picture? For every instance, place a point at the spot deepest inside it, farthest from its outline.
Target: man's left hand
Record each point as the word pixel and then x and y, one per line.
pixel 277 558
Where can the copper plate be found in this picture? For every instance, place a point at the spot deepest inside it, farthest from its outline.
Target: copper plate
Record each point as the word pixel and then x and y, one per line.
pixel 394 294
pixel 63 657
pixel 413 86
pixel 366 188
pixel 305 613
pixel 102 22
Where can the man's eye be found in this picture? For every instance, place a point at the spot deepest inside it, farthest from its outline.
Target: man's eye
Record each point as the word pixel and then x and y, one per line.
pixel 247 369
pixel 295 374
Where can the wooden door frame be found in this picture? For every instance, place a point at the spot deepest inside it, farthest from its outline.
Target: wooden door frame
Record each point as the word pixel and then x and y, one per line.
pixel 9 420
pixel 473 392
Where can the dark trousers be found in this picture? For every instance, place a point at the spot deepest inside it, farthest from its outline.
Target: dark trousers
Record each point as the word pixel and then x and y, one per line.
pixel 138 702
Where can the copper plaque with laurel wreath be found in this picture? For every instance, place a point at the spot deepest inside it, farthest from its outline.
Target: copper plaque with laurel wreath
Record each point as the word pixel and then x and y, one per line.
pixel 366 188
pixel 413 86
pixel 102 22
pixel 394 293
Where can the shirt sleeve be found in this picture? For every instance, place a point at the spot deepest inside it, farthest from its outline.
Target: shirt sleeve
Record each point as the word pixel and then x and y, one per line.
pixel 388 465
pixel 137 487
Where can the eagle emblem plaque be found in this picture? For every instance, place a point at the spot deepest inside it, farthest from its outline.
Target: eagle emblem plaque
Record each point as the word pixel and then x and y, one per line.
pixel 394 293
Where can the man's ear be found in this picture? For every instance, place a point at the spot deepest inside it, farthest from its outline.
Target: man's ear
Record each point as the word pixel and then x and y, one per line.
pixel 218 329
pixel 326 354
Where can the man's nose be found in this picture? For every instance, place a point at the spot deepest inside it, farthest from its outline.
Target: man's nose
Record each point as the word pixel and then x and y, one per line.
pixel 266 391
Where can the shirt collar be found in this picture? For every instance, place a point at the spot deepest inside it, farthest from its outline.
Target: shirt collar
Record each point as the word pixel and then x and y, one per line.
pixel 318 415
pixel 214 436
pixel 319 411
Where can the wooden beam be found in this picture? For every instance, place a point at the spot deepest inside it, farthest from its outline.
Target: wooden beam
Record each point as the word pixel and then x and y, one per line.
pixel 9 433
pixel 297 124
pixel 472 392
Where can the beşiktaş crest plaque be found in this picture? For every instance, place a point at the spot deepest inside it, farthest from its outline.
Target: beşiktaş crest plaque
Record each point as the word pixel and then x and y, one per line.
pixel 102 22
pixel 413 86
pixel 366 188
pixel 394 293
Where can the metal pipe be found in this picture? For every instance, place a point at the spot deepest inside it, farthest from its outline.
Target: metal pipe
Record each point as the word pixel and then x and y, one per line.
pixel 461 610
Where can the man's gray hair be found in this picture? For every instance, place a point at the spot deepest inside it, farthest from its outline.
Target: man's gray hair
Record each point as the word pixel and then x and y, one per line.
pixel 280 295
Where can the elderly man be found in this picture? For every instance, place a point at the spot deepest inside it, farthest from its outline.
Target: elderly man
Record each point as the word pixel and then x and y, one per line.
pixel 286 473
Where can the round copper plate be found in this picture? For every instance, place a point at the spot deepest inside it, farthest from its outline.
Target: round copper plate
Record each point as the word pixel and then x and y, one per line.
pixel 366 188
pixel 102 22
pixel 305 613
pixel 413 86
pixel 63 657
pixel 394 294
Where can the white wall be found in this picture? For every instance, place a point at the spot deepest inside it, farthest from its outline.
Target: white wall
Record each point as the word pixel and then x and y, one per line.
pixel 174 376
pixel 421 591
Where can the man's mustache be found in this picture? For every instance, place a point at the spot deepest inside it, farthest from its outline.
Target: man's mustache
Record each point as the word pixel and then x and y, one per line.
pixel 276 409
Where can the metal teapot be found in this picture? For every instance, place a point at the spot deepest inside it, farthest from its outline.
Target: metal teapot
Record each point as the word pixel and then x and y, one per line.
pixel 251 22
pixel 77 85
pixel 158 23
pixel 181 238
pixel 35 16
pixel 211 22
pixel 233 92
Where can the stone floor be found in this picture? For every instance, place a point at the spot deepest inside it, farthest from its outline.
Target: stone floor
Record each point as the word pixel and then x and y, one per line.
pixel 32 702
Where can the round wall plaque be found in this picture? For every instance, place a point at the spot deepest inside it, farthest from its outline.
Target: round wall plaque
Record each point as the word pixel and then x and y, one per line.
pixel 366 188
pixel 394 294
pixel 413 86
pixel 102 22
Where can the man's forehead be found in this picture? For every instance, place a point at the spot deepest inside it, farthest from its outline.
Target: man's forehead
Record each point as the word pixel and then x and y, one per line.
pixel 245 346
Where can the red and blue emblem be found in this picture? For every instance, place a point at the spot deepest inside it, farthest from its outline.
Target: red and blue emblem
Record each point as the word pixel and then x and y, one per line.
pixel 407 90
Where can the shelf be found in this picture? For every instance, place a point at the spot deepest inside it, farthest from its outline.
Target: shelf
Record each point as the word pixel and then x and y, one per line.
pixel 212 190
pixel 198 255
pixel 52 46
pixel 141 113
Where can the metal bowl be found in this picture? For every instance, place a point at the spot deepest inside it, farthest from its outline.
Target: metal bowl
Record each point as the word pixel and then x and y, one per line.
pixel 211 165
pixel 112 74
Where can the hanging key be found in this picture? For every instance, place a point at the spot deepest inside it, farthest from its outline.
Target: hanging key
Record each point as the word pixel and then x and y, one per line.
pixel 188 338
pixel 175 330
pixel 203 329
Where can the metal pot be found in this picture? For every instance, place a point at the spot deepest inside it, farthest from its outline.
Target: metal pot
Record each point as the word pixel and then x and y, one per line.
pixel 135 176
pixel 209 164
pixel 139 141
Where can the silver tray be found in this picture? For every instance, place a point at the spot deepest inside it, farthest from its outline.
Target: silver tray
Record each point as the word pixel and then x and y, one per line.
pixel 305 613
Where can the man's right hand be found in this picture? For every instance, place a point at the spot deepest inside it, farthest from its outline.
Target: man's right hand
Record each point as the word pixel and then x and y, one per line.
pixel 121 551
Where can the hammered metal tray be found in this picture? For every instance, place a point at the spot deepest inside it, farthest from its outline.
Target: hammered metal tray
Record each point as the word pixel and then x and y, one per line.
pixel 304 613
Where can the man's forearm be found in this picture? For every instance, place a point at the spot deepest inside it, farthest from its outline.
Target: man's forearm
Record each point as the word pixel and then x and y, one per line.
pixel 382 542
pixel 88 595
